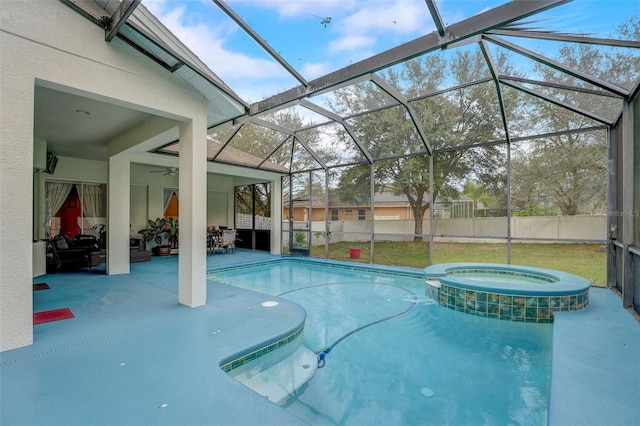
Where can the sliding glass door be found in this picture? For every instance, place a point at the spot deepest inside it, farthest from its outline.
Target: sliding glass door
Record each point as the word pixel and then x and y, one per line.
pixel 73 208
pixel 253 216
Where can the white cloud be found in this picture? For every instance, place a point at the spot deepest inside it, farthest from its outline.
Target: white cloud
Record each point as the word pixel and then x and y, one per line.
pixel 357 26
pixel 350 42
pixel 251 91
pixel 375 21
pixel 208 43
pixel 313 70
pixel 398 17
pixel 300 8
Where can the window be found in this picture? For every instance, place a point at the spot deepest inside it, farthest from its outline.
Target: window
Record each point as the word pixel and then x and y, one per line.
pixel 361 214
pixel 334 214
pixel 253 206
pixel 74 207
pixel 171 203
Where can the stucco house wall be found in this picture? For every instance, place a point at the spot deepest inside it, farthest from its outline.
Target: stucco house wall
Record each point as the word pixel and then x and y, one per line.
pixel 47 44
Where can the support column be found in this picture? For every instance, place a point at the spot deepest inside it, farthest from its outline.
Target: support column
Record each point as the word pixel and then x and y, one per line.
pixel 118 215
pixel 612 204
pixel 628 205
pixel 16 209
pixel 276 216
pixel 192 287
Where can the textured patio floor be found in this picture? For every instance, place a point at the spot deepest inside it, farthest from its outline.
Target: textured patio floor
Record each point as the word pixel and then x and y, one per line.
pixel 133 356
pixel 595 377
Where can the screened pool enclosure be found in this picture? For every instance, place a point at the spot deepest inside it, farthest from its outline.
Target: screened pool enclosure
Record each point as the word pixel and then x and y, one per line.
pixel 503 128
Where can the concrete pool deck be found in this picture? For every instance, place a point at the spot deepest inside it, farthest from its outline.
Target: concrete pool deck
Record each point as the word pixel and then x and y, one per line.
pixel 133 356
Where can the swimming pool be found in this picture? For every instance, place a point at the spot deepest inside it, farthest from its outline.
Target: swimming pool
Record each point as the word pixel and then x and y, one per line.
pixel 510 292
pixel 425 364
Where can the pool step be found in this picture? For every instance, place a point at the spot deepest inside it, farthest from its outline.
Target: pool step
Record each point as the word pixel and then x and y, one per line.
pixel 278 381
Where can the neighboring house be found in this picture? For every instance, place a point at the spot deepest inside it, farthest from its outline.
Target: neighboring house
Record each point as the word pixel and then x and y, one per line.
pixel 387 206
pixel 460 208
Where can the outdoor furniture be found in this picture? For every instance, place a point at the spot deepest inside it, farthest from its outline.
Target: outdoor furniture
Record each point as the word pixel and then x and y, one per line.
pixel 81 252
pixel 137 251
pixel 214 241
pixel 221 240
pixel 229 240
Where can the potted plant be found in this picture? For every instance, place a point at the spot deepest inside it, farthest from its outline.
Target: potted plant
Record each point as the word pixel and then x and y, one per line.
pixel 158 233
pixel 299 239
pixel 299 244
pixel 171 225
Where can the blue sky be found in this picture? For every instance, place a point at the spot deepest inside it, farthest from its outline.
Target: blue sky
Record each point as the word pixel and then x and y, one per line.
pixel 320 36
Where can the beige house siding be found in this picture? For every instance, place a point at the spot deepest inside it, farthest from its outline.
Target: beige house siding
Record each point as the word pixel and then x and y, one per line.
pixel 381 212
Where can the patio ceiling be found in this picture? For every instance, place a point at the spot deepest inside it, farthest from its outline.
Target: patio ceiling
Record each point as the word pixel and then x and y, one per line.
pixel 522 44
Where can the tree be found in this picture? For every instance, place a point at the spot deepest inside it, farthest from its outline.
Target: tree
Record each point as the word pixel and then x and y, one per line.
pixel 568 171
pixel 251 203
pixel 477 192
pixel 527 196
pixel 463 117
pixel 263 199
pixel 275 146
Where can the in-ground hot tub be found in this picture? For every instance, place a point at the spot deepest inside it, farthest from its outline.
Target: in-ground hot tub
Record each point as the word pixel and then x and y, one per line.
pixel 511 292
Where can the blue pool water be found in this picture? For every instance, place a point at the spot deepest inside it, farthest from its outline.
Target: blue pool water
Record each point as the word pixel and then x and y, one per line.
pixel 428 365
pixel 511 279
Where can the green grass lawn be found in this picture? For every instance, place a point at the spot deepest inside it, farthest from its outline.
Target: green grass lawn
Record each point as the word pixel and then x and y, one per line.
pixel 586 260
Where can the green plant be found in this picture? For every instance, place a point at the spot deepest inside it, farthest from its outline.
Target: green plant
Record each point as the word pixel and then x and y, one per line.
pixel 156 232
pixel 299 237
pixel 171 226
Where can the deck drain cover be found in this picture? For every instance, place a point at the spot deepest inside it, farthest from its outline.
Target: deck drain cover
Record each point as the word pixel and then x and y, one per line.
pixel 427 392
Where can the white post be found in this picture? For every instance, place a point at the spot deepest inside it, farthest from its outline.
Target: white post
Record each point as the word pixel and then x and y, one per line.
pixel 192 288
pixel 16 209
pixel 276 216
pixel 118 193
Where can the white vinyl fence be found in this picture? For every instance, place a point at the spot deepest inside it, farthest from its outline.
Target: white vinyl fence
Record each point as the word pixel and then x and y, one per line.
pixel 545 228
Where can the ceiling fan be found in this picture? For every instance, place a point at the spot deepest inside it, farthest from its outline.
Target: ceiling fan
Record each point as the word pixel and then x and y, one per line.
pixel 169 171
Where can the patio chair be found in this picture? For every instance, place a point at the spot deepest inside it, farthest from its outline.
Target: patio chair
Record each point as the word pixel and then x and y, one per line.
pixel 214 241
pixel 229 240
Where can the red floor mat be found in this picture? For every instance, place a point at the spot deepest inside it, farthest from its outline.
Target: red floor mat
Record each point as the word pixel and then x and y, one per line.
pixel 53 315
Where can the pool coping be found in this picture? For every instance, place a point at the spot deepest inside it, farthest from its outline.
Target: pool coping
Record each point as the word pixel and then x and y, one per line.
pixel 565 283
pixel 386 269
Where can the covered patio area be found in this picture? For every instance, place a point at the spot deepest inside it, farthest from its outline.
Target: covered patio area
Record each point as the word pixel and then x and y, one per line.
pixel 133 355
